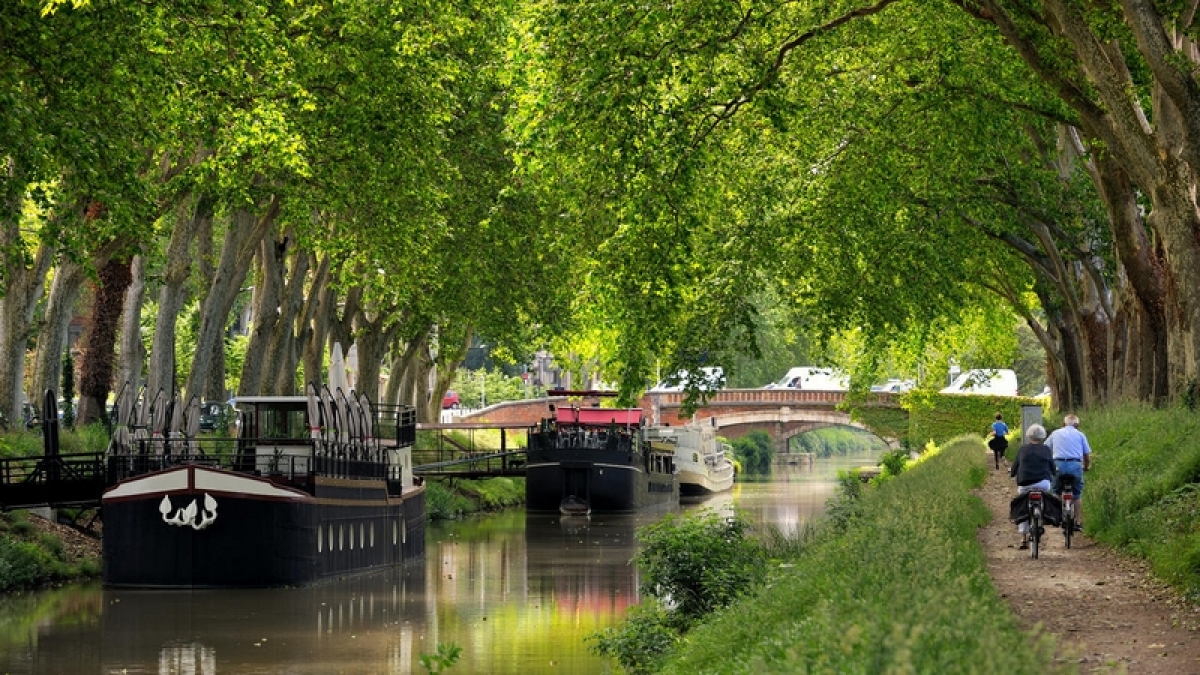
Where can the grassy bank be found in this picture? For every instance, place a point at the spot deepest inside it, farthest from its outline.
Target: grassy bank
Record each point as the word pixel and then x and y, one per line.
pixel 451 498
pixel 899 585
pixel 1143 491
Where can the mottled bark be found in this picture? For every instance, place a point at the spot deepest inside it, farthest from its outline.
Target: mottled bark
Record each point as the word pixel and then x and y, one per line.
pixel 25 276
pixel 96 369
pixel 321 310
pixel 242 236
pixel 52 336
pixel 410 370
pixel 374 335
pixel 292 329
pixel 173 293
pixel 1141 294
pixel 132 350
pixel 265 303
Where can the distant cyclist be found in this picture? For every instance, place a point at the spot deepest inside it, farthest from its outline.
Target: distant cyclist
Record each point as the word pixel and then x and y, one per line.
pixel 1034 469
pixel 999 440
pixel 1072 455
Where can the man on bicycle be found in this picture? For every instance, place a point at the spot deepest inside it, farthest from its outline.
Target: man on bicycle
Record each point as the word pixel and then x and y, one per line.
pixel 1034 469
pixel 1073 456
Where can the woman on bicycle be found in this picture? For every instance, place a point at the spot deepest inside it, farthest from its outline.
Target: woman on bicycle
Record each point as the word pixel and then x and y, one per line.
pixel 1034 470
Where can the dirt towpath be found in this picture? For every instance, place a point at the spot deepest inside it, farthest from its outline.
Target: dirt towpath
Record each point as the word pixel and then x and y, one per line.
pixel 1107 613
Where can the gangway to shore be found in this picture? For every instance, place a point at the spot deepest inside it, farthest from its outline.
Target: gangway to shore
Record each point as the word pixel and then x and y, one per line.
pixel 471 450
pixel 511 463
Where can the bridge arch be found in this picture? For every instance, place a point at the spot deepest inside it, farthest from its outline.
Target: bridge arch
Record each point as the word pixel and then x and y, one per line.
pixel 783 424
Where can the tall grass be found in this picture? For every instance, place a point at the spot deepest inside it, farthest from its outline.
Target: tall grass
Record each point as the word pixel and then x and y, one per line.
pixel 447 499
pixel 29 442
pixel 901 587
pixel 1142 492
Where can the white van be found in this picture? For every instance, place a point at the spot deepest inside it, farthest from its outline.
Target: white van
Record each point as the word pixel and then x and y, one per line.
pixel 811 378
pixel 985 382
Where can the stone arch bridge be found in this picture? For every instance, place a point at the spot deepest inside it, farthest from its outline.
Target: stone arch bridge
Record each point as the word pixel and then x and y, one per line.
pixel 781 413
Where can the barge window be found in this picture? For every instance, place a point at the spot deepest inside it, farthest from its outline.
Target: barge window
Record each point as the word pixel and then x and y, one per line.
pixel 276 423
pixel 351 528
pixel 320 536
pixel 395 536
pixel 372 535
pixel 362 537
pixel 341 538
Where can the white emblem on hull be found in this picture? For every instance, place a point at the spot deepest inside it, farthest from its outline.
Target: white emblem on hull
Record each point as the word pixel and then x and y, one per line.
pixel 197 518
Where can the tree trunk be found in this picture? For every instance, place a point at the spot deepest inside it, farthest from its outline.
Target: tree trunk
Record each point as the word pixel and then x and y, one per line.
pixel 133 352
pixel 1141 293
pixel 266 314
pixel 244 233
pixel 52 338
pixel 173 294
pixel 284 354
pixel 314 322
pixel 373 338
pixel 24 286
pixel 1174 218
pixel 96 377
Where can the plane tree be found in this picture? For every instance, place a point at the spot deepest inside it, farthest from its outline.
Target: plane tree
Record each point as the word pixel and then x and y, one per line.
pixel 885 163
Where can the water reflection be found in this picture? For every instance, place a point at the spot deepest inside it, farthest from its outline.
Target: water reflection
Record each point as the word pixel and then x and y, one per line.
pixel 519 594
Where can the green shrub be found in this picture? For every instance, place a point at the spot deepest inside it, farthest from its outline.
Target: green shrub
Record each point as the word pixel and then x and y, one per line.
pixel 895 461
pixel 442 503
pixel 21 443
pixel 690 565
pixel 698 562
pixel 21 527
pixel 51 544
pixel 642 641
pixel 844 506
pixel 24 565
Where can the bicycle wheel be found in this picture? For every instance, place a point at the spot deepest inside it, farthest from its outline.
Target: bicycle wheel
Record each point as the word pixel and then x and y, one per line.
pixel 1035 530
pixel 1068 522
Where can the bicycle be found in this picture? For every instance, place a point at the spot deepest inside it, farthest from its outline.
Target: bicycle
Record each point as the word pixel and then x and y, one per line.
pixel 1066 491
pixel 1035 521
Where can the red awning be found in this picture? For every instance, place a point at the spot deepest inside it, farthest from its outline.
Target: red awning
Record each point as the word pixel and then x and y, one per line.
pixel 596 417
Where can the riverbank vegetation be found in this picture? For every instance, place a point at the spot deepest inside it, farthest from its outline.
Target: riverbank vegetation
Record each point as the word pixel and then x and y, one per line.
pixel 898 585
pixel 452 498
pixel 33 555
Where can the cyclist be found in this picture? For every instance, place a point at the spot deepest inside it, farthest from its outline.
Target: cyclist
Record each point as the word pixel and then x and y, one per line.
pixel 999 440
pixel 1034 469
pixel 1072 455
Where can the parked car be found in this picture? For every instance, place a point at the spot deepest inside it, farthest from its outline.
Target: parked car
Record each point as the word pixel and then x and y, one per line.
pixel 894 386
pixel 450 400
pixel 211 413
pixel 985 382
pixel 812 378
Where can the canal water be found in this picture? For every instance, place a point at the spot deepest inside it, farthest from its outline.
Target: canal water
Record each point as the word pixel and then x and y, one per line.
pixel 518 593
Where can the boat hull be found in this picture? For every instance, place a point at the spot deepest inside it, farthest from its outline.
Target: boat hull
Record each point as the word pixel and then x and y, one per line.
pixel 199 527
pixel 609 482
pixel 700 483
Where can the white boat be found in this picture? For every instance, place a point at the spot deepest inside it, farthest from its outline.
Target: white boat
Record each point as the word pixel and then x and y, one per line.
pixel 702 460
